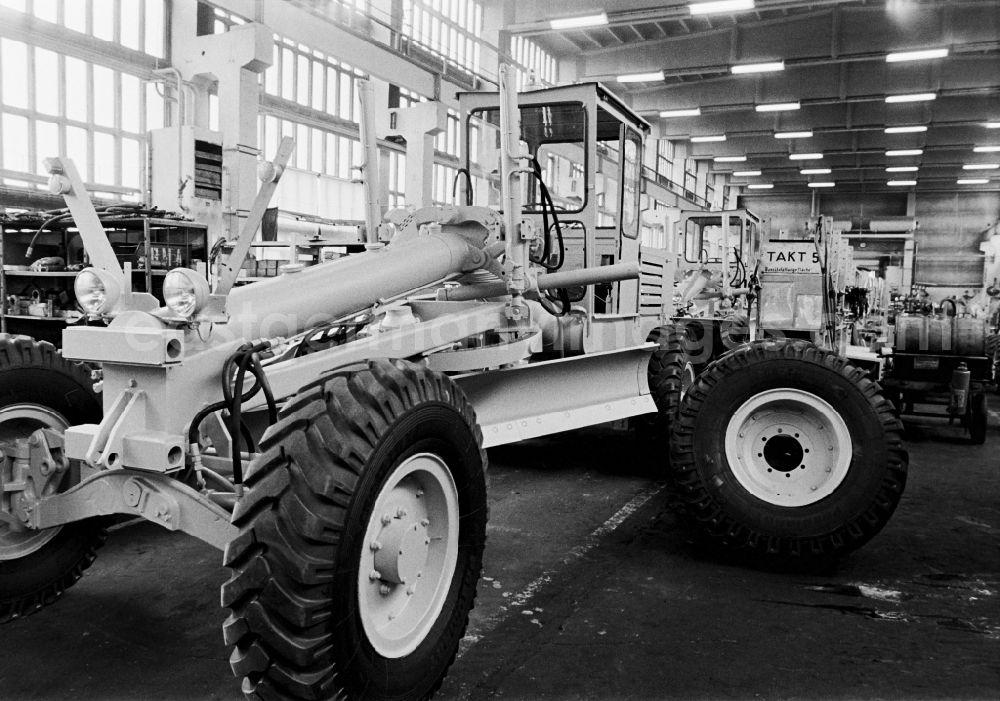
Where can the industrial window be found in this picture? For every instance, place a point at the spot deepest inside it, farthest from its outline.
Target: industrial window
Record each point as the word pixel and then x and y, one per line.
pixel 664 157
pixel 534 65
pixel 55 104
pixel 316 150
pixel 449 28
pixel 312 79
pixel 135 24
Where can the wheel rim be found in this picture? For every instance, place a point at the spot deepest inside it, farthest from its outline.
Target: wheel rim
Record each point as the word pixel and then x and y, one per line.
pixel 409 555
pixel 19 421
pixel 788 447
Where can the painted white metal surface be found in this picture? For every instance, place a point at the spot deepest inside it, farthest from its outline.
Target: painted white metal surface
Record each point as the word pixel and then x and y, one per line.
pixel 788 447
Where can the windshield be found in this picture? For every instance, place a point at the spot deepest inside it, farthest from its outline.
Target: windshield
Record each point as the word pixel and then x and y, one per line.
pixel 554 134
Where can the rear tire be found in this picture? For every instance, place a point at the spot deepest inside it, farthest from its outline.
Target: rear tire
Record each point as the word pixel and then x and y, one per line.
pixel 784 451
pixel 41 389
pixel 978 419
pixel 361 466
pixel 670 374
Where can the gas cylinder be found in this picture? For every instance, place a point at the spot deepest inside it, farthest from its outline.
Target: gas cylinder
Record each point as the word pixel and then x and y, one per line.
pixel 960 379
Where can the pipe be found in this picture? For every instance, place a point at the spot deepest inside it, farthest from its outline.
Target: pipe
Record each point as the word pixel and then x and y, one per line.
pixel 295 301
pixel 546 281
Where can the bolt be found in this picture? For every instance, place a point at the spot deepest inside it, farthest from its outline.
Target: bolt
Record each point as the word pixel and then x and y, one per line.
pixel 753 418
pixel 424 522
pixel 829 469
pixel 813 488
pixel 420 493
pixel 392 616
pixel 384 590
pixel 386 519
pixel 33 440
pixel 46 467
pixel 410 589
pixel 741 435
pixel 374 575
pixel 401 512
pixel 375 546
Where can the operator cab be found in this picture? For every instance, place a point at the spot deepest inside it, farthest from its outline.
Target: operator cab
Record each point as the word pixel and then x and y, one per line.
pixel 584 187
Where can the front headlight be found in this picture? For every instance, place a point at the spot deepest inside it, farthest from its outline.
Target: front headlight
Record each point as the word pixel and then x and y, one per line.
pixel 97 291
pixel 185 292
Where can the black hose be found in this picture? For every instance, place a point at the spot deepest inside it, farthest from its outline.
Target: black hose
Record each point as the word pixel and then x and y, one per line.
pixel 468 179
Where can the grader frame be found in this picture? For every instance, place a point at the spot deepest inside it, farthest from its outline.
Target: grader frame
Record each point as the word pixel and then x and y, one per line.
pixel 353 520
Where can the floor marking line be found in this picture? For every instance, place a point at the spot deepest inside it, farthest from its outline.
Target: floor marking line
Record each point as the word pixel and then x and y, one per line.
pixel 525 595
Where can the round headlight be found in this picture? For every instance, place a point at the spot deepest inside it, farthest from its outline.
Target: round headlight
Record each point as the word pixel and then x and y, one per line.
pixel 185 292
pixel 96 291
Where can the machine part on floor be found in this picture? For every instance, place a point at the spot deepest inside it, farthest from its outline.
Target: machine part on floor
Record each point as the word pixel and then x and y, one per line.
pixel 787 451
pixel 362 528
pixel 39 390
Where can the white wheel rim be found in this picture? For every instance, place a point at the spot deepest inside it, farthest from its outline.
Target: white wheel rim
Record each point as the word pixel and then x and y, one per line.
pixel 788 447
pixel 20 421
pixel 409 555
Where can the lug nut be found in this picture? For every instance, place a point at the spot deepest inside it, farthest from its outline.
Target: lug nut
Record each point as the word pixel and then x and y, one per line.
pixel 401 512
pixel 424 522
pixel 375 546
pixel 384 590
pixel 374 575
pixel 386 519
pixel 420 493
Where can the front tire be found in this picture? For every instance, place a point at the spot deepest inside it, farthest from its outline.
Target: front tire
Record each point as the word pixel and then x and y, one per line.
pixel 362 535
pixel 785 451
pixel 41 389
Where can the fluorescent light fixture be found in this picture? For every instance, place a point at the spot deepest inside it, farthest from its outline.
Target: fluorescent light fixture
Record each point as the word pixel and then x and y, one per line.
pixel 915 55
pixel 822 184
pixel 691 112
pixel 708 139
pixel 815 171
pixel 901 183
pixel 792 134
pixel 902 169
pixel 746 173
pixel 778 107
pixel 916 129
pixel 905 152
pixel 730 159
pixel 641 77
pixel 767 67
pixel 991 125
pixel 981 166
pixel 986 149
pixel 805 156
pixel 579 22
pixel 972 181
pixel 708 8
pixel 912 97
pixel 761 186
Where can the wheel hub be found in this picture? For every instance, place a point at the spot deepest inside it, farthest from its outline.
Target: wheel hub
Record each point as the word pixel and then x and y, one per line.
pixel 410 555
pixel 17 423
pixel 788 447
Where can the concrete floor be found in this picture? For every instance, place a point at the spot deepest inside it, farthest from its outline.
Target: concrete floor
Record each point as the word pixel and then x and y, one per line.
pixel 591 590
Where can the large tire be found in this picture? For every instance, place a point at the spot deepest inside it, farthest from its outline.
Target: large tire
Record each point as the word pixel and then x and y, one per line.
pixel 41 389
pixel 670 373
pixel 978 419
pixel 784 451
pixel 309 618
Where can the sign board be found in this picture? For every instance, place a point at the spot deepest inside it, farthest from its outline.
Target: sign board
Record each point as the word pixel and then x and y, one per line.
pixel 790 257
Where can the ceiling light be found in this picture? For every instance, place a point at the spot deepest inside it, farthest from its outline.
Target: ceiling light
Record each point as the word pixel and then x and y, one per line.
pixel 805 156
pixel 905 152
pixel 815 171
pixel 792 134
pixel 707 8
pixel 746 173
pixel 822 184
pixel 767 67
pixel 760 186
pixel 905 130
pixel 778 107
pixel 579 22
pixel 915 55
pixel 970 181
pixel 981 166
pixel 901 183
pixel 730 159
pixel 986 149
pixel 692 112
pixel 913 97
pixel 992 125
pixel 707 139
pixel 641 77
pixel 902 169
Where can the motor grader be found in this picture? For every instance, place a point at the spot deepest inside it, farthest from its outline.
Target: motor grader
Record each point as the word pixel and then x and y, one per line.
pixel 327 429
